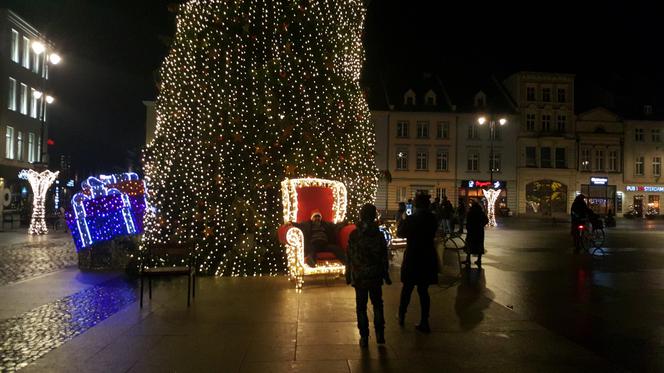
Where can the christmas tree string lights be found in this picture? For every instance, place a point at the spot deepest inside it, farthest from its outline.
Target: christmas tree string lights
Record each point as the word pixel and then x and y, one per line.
pixel 39 182
pixel 251 93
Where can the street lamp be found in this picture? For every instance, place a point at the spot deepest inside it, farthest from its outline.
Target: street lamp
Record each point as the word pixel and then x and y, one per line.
pixel 53 58
pixel 492 193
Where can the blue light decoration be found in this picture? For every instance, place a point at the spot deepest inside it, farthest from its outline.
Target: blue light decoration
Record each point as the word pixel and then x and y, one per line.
pixel 107 207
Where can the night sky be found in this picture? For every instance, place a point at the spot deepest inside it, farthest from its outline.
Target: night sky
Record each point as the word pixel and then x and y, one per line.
pixel 111 50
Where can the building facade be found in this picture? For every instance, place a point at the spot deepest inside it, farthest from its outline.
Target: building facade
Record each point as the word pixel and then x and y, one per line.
pixel 25 56
pixel 546 173
pixel 643 154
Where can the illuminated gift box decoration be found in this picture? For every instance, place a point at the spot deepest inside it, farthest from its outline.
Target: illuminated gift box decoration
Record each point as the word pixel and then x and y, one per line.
pixel 107 207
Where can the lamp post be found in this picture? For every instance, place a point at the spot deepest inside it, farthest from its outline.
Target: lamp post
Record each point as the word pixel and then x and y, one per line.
pixel 492 193
pixel 54 59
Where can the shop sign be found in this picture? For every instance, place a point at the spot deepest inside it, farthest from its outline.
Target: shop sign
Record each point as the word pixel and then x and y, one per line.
pixel 644 188
pixel 471 184
pixel 595 180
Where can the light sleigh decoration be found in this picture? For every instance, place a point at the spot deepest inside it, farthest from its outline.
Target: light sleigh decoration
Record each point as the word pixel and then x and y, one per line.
pixel 491 198
pixel 253 92
pixel 108 206
pixel 297 208
pixel 39 182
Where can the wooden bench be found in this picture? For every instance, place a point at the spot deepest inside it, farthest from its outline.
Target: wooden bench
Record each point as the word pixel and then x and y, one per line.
pixel 183 252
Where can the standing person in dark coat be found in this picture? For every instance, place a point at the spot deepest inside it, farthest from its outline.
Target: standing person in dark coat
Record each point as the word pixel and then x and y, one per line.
pixel 420 264
pixel 461 214
pixel 475 223
pixel 366 269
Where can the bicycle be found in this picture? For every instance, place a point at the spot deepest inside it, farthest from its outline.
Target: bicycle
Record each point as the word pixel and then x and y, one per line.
pixel 591 235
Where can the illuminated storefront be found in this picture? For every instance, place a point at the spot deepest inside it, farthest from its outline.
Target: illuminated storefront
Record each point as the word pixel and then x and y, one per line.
pixel 472 189
pixel 601 196
pixel 644 199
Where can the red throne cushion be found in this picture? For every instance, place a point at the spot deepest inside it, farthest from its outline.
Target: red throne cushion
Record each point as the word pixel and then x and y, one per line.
pixel 312 198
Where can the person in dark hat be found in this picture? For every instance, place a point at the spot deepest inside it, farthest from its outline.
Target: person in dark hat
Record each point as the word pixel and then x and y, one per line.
pixel 366 270
pixel 319 236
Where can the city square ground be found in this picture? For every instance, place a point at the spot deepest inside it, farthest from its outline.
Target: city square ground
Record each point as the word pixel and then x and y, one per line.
pixel 535 306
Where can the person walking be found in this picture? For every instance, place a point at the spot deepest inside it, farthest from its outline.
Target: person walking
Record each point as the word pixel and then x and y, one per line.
pixel 366 269
pixel 475 223
pixel 420 264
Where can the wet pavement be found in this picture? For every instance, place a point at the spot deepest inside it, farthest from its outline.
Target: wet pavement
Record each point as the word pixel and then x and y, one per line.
pixel 535 306
pixel 23 256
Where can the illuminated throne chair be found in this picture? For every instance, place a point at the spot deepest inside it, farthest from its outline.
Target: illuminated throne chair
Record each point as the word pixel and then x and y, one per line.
pixel 299 198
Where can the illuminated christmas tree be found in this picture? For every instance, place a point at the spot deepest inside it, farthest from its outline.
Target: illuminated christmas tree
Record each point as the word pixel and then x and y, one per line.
pixel 253 92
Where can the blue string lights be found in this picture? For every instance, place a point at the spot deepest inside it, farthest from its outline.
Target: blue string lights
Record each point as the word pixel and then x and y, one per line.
pixel 107 207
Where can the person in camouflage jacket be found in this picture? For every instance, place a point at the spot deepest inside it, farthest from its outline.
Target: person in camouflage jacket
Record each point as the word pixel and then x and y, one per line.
pixel 366 269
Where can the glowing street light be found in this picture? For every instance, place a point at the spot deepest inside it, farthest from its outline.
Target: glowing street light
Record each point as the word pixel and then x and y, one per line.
pixel 492 194
pixel 38 47
pixel 49 99
pixel 54 58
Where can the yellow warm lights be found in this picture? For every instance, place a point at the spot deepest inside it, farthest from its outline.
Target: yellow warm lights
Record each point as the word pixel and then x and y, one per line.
pixel 251 93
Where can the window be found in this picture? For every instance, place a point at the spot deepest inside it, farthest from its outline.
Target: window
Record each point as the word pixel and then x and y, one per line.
pixel 585 159
pixel 656 166
pixel 430 98
pixel 561 95
pixel 422 160
pixel 647 109
pixel 530 122
pixel 562 120
pixel 33 103
pixel 409 98
pixel 494 164
pixel 11 105
pixel 546 122
pixel 473 132
pixel 31 147
pixel 19 146
pixel 402 160
pixel 638 134
pixel 473 161
pixel 443 130
pixel 9 143
pixel 561 161
pixel 613 160
pixel 26 52
pixel 39 149
pixel 441 192
pixel 442 157
pixel 546 94
pixel 15 46
pixel 402 129
pixel 530 93
pixel 402 195
pixel 545 157
pixel 655 135
pixel 35 63
pixel 638 166
pixel 531 156
pixel 423 129
pixel 599 160
pixel 24 99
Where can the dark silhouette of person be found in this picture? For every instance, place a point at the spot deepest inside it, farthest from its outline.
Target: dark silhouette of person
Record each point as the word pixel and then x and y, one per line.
pixel 401 213
pixel 319 236
pixel 580 214
pixel 475 223
pixel 461 214
pixel 420 263
pixel 446 215
pixel 366 269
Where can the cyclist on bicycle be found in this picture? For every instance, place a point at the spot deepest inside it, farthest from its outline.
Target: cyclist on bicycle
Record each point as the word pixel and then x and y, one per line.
pixel 581 214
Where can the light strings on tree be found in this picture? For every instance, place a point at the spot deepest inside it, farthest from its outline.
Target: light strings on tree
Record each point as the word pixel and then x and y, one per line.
pixel 39 182
pixel 251 93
